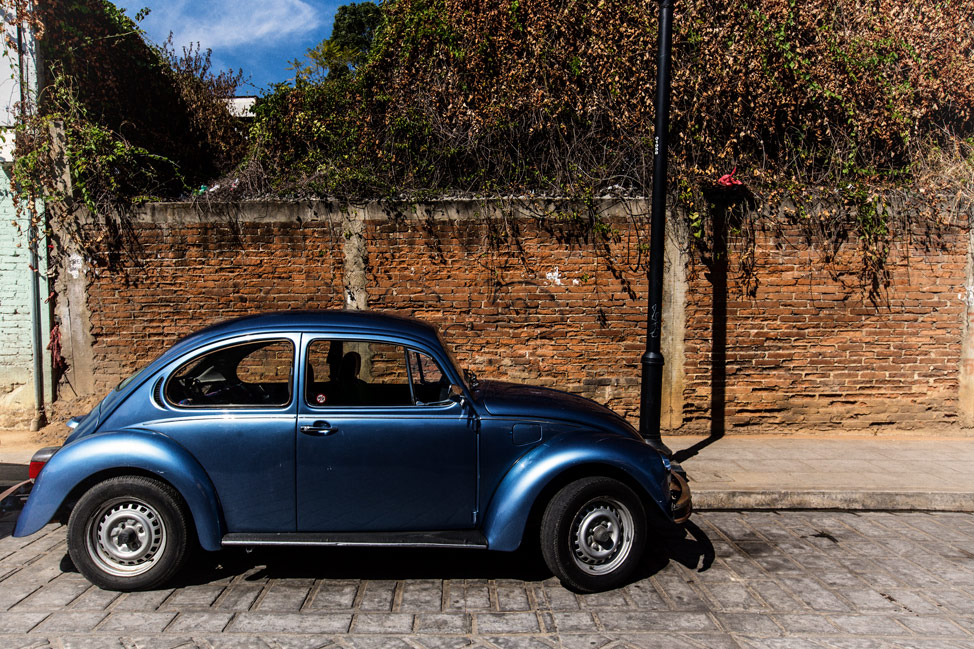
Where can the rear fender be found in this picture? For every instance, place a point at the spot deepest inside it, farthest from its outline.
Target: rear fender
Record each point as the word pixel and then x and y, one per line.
pixel 138 450
pixel 509 509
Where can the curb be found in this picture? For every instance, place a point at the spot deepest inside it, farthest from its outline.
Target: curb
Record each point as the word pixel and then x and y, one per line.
pixel 722 499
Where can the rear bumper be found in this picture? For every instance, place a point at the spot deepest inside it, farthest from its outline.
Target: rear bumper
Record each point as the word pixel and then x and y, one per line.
pixel 13 499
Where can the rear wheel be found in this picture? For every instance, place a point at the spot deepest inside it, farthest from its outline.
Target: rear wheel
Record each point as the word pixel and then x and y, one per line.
pixel 128 533
pixel 593 533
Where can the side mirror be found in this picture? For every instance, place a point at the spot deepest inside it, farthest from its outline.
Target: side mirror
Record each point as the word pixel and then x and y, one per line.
pixel 456 394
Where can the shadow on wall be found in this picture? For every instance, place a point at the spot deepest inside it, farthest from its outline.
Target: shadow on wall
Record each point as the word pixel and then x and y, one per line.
pixel 727 208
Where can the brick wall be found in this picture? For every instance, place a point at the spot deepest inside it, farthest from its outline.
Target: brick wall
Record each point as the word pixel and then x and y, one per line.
pixel 539 301
pixel 188 272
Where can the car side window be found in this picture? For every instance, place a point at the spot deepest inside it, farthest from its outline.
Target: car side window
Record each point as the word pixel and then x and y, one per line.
pixel 430 385
pixel 361 373
pixel 253 374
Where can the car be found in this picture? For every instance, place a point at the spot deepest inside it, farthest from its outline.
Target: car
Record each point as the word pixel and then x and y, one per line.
pixel 345 428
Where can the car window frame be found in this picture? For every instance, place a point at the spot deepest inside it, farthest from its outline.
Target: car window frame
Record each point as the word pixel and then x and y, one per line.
pixel 407 346
pixel 197 354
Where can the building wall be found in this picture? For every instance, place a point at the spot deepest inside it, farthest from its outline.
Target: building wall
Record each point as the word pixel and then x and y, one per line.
pixel 16 351
pixel 778 343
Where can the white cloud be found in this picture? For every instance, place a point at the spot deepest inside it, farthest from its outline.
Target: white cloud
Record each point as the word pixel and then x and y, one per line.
pixel 231 24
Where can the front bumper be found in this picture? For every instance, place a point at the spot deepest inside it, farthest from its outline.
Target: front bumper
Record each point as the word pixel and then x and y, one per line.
pixel 13 499
pixel 681 502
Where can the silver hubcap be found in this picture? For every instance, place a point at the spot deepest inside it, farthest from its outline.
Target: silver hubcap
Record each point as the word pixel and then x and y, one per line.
pixel 126 538
pixel 601 535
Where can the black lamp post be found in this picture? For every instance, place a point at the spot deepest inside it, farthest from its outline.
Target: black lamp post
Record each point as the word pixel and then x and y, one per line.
pixel 652 360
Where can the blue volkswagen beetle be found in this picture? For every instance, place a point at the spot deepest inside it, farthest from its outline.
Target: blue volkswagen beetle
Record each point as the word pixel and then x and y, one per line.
pixel 342 429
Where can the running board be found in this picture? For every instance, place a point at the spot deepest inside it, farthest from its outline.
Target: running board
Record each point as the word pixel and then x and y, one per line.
pixel 471 539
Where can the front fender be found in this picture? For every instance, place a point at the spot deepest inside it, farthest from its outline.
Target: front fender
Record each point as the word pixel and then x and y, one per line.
pixel 127 449
pixel 508 512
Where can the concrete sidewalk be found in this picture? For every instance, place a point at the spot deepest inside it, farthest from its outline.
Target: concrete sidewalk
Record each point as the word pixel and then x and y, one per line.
pixel 778 471
pixel 829 472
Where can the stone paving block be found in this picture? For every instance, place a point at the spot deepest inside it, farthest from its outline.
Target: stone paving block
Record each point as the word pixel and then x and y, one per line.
pixel 201 596
pixel 444 623
pixel 512 598
pixel 252 622
pixel 284 597
pixel 54 595
pixel 733 597
pixel 813 594
pixel 12 593
pixel 490 623
pixel 199 622
pixel 236 642
pixel 574 622
pixel 951 600
pixel 781 643
pixel 468 597
pixel 658 641
pixel 163 642
pixel 382 623
pixel 301 642
pixel 422 595
pixel 443 642
pixel 24 642
pixel 91 642
pixel 745 567
pixel 654 621
pixel 521 642
pixel 20 621
pixel 70 622
pixel 585 641
pixel 238 597
pixel 378 595
pixel 559 598
pixel 148 600
pixel 376 642
pixel 929 625
pixel 95 599
pixel 675 589
pixel 136 621
pixel 856 643
pixel 644 595
pixel 611 599
pixel 806 623
pixel 868 625
pixel 749 624
pixel 332 595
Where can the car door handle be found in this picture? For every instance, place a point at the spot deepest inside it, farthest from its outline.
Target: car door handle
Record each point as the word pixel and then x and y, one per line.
pixel 319 428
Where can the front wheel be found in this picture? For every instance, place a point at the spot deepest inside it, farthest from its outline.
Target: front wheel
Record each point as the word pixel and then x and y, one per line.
pixel 593 533
pixel 128 533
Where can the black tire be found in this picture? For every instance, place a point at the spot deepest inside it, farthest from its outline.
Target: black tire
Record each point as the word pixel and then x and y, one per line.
pixel 593 534
pixel 128 533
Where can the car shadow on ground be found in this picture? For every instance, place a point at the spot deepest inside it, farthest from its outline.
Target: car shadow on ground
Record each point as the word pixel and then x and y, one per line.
pixel 687 545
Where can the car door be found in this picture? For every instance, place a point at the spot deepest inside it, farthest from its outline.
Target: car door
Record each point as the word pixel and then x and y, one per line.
pixel 380 444
pixel 232 404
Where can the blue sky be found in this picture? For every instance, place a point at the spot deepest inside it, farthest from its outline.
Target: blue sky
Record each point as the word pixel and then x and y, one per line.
pixel 261 37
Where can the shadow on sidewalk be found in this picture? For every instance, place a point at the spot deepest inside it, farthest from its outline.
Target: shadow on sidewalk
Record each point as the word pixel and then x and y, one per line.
pixel 691 548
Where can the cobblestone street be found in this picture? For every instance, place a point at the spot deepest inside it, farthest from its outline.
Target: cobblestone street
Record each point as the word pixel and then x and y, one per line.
pixel 739 580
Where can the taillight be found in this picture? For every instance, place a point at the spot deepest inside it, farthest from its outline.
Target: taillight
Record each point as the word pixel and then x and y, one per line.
pixel 40 460
pixel 34 469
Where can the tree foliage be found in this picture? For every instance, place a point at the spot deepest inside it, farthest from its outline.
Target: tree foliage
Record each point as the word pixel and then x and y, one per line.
pixel 348 47
pixel 556 96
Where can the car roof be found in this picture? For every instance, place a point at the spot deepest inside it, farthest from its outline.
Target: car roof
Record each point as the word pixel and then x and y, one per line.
pixel 346 322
